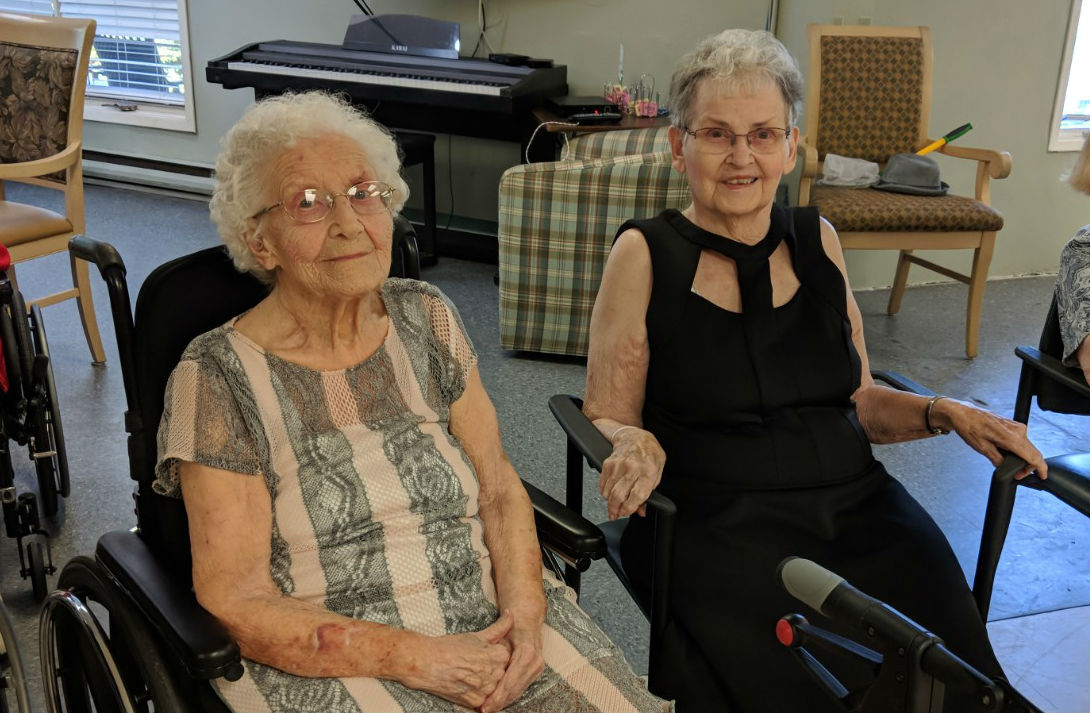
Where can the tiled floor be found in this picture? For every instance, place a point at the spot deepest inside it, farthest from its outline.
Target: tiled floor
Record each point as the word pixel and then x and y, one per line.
pixel 1047 657
pixel 925 342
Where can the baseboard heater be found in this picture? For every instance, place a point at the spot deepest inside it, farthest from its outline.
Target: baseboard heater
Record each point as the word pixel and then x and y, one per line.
pixel 148 173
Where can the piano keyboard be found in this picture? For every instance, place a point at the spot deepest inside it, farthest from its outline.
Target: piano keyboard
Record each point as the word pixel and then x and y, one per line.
pixel 460 86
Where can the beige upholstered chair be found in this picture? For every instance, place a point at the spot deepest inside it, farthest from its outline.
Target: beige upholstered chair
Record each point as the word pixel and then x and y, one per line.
pixel 869 97
pixel 44 73
pixel 556 227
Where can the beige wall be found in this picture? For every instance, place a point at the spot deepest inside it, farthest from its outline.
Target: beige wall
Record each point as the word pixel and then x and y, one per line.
pixel 996 65
pixel 582 34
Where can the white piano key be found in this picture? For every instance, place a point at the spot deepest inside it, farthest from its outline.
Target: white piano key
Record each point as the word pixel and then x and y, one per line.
pixel 364 78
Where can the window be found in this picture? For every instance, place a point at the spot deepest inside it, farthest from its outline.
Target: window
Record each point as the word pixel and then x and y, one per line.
pixel 140 57
pixel 1071 115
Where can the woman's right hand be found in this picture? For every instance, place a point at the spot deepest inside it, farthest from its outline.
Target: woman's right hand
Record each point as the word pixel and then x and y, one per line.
pixel 631 472
pixel 462 668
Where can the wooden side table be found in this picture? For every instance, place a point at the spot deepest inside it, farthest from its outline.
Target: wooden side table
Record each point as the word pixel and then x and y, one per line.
pixel 628 121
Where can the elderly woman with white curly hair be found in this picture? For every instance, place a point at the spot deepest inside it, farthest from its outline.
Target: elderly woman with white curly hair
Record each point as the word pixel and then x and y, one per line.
pixel 354 521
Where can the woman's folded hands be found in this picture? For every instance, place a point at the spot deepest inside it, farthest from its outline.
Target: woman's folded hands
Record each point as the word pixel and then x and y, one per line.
pixel 524 666
pixel 462 668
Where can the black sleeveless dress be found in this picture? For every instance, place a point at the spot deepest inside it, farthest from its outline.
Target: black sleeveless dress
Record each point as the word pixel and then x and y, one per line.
pixel 766 459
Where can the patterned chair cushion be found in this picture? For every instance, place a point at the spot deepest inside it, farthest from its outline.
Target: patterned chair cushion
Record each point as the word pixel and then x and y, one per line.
pixel 869 210
pixel 35 92
pixel 871 92
pixel 609 144
pixel 556 228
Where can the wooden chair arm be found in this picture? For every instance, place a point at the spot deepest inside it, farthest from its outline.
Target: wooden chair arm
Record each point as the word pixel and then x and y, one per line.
pixel 811 167
pixel 999 162
pixel 990 164
pixel 70 156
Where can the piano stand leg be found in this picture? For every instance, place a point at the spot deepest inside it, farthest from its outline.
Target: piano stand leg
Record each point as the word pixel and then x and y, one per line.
pixel 419 148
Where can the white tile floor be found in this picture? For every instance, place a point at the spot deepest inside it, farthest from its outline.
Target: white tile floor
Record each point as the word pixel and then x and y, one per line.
pixel 1047 657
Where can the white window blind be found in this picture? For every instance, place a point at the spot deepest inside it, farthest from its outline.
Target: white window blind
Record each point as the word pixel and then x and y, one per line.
pixel 34 7
pixel 137 54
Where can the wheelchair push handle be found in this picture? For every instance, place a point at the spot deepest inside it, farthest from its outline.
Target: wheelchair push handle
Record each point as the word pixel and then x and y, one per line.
pixel 104 255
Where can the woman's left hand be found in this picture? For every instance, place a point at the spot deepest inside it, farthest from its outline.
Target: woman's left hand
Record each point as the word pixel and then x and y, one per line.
pixel 523 668
pixel 989 434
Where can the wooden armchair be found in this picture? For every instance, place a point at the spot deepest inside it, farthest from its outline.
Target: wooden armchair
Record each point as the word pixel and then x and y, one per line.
pixel 869 97
pixel 41 132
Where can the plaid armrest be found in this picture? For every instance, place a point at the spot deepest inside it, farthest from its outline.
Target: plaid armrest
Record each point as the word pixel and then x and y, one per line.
pixel 610 144
pixel 556 228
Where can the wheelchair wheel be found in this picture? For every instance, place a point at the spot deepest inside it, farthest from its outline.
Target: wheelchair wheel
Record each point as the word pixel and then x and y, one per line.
pixel 22 337
pixel 51 412
pixel 36 565
pixel 12 680
pixel 123 670
pixel 13 371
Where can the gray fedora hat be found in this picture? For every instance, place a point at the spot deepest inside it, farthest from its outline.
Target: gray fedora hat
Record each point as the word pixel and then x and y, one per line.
pixel 912 174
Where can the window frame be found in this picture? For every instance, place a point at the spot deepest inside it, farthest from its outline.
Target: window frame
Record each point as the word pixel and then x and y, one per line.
pixel 1067 139
pixel 149 113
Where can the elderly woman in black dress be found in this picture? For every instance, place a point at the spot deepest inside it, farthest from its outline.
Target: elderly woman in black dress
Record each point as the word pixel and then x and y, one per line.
pixel 727 366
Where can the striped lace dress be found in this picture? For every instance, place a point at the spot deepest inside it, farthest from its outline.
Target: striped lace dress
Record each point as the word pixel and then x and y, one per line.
pixel 374 504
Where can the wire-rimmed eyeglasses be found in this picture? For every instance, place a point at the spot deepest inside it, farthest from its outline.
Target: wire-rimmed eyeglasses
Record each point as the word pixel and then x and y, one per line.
pixel 716 139
pixel 311 205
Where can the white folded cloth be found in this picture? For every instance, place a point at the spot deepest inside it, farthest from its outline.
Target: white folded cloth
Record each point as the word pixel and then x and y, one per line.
pixel 848 172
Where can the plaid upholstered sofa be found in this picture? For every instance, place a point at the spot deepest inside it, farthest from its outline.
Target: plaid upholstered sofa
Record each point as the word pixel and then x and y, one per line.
pixel 556 227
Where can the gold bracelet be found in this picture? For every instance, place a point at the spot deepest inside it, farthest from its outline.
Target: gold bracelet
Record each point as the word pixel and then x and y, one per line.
pixel 935 430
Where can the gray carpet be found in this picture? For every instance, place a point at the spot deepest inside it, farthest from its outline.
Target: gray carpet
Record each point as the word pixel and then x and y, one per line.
pixel 1046 565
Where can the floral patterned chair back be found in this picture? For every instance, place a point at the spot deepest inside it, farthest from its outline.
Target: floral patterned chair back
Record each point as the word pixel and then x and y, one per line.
pixel 43 76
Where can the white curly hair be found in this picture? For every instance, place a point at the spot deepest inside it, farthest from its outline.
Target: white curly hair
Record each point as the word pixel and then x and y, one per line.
pixel 269 127
pixel 743 60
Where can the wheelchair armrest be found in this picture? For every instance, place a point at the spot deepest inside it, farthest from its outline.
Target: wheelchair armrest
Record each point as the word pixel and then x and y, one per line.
pixel 900 382
pixel 1054 369
pixel 198 640
pixel 583 434
pixel 1068 478
pixel 575 539
pixel 103 255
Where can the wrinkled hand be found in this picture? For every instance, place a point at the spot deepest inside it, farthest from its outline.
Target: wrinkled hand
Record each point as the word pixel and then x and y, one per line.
pixel 523 668
pixel 631 472
pixel 989 434
pixel 463 668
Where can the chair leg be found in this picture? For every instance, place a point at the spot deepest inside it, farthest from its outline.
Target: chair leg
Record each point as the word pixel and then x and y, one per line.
pixel 978 279
pixel 82 280
pixel 900 280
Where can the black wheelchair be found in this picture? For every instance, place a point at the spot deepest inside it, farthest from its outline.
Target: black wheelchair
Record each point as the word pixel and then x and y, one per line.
pixel 124 631
pixel 900 682
pixel 30 417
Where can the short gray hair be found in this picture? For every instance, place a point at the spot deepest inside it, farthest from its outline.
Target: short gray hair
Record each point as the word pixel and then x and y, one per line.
pixel 268 128
pixel 744 60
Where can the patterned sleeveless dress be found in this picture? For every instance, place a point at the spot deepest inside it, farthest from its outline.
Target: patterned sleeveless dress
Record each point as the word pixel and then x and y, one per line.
pixel 766 459
pixel 374 504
